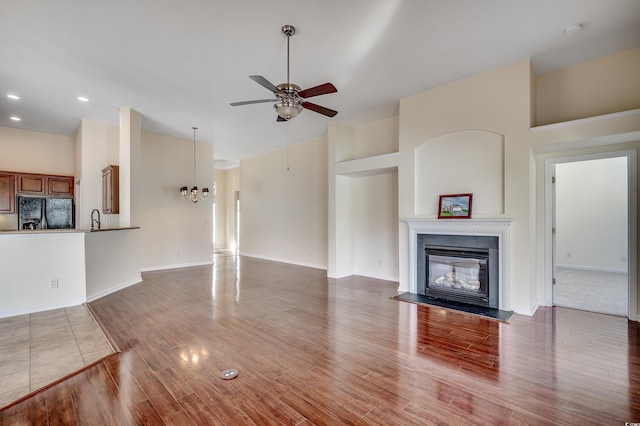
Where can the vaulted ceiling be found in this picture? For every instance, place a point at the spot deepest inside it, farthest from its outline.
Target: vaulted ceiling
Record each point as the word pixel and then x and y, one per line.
pixel 180 63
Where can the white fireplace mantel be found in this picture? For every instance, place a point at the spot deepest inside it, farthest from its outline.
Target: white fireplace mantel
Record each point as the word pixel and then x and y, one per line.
pixel 500 228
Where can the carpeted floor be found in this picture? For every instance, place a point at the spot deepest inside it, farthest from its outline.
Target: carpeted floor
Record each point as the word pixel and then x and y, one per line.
pixel 594 291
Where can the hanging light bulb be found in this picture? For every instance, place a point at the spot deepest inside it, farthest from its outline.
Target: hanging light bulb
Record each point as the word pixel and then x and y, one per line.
pixel 194 196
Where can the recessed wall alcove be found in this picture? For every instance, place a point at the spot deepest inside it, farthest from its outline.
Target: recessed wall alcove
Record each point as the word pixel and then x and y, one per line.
pixel 461 162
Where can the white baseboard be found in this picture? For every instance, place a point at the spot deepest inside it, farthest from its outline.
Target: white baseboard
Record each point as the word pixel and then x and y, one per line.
pixel 592 268
pixel 34 309
pixel 175 266
pixel 289 261
pixel 110 290
pixel 378 276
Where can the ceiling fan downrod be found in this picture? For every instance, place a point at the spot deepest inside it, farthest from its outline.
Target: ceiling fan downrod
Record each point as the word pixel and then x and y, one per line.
pixel 288 30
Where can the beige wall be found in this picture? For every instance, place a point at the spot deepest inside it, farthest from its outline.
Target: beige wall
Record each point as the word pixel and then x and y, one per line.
pixel 33 152
pixel 283 213
pixel 175 232
pixel 601 86
pixel 374 209
pixel 220 225
pixel 98 144
pixel 363 200
pixel 227 183
pixel 376 138
pixel 499 102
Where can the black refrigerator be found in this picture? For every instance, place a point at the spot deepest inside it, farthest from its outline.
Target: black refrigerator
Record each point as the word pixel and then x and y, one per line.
pixel 45 213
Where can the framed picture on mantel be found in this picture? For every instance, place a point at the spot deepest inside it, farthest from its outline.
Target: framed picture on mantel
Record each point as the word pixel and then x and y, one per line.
pixel 455 206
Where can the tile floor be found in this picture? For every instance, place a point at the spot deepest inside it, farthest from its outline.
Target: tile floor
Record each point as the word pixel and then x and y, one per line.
pixel 38 349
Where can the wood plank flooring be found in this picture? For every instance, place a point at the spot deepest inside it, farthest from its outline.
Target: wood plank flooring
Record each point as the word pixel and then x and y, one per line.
pixel 312 350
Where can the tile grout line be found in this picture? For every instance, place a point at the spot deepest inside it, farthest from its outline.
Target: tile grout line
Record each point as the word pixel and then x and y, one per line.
pixel 75 338
pixel 30 347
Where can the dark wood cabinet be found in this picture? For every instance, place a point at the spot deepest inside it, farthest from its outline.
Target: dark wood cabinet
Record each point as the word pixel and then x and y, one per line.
pixel 7 192
pixel 111 190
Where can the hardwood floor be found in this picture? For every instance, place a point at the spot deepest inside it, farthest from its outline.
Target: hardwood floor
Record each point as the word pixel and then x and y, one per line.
pixel 312 350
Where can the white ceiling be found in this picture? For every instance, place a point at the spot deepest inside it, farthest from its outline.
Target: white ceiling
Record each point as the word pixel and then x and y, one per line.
pixel 180 63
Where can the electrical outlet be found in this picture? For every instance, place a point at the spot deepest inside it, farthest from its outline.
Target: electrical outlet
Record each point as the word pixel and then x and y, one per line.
pixel 53 283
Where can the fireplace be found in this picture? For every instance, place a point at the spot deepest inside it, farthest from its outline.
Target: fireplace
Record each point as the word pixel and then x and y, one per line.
pixel 460 268
pixel 437 232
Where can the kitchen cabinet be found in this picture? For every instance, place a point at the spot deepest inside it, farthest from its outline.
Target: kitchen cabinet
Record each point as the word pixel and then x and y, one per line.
pixel 60 185
pixel 7 192
pixel 31 184
pixel 111 190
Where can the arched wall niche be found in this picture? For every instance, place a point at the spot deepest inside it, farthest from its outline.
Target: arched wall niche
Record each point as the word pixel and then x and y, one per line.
pixel 467 161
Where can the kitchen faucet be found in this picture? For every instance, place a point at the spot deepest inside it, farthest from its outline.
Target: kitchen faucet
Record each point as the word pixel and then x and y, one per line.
pixel 94 220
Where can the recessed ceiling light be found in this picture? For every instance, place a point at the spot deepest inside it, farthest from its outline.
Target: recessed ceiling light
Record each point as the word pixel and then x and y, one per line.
pixel 83 99
pixel 14 118
pixel 14 97
pixel 572 30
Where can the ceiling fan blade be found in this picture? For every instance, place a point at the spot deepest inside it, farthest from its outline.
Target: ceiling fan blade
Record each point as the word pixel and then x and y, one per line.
pixel 319 109
pixel 257 101
pixel 322 89
pixel 264 83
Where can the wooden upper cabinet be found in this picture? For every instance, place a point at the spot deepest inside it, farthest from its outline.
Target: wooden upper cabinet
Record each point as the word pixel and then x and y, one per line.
pixel 31 184
pixel 111 190
pixel 7 193
pixel 60 185
pixel 13 184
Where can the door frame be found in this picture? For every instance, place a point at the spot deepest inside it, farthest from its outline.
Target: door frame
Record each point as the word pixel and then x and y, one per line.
pixel 549 166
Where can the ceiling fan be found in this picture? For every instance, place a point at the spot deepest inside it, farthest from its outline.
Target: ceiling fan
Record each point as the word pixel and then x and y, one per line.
pixel 289 98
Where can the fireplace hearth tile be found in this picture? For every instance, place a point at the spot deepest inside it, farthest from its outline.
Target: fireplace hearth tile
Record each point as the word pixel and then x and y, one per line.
pixel 458 306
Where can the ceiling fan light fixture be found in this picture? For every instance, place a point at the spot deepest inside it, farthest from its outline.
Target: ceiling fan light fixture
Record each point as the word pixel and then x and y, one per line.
pixel 290 99
pixel 288 109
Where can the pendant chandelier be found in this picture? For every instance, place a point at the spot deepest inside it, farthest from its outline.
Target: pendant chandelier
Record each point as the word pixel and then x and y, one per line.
pixel 194 196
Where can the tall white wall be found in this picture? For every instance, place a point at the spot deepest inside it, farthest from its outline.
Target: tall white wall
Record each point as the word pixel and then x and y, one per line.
pixel 283 213
pixel 98 144
pixel 591 214
pixel 498 102
pixel 374 210
pixel 363 201
pixel 175 232
pixel 227 182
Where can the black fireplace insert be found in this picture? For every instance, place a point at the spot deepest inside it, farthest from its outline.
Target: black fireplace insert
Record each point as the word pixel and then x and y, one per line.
pixel 457 274
pixel 460 268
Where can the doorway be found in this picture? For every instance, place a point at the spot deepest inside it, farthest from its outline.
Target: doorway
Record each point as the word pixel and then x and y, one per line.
pixel 236 221
pixel 590 199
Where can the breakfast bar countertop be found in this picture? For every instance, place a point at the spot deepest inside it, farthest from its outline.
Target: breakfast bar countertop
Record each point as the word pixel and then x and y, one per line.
pixel 65 231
